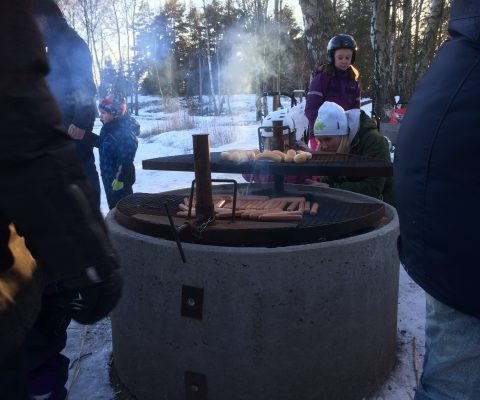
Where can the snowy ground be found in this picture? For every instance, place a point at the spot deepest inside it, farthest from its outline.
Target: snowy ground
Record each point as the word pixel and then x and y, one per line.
pixel 89 347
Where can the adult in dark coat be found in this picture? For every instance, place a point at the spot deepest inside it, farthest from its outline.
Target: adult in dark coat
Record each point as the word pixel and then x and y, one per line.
pixel 437 186
pixel 71 82
pixel 46 199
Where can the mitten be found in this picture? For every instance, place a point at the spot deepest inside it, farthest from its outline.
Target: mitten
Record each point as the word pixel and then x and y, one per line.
pixel 89 304
pixel 313 144
pixel 117 185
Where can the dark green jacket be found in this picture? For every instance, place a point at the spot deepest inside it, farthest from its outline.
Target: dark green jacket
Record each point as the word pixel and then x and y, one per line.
pixel 368 142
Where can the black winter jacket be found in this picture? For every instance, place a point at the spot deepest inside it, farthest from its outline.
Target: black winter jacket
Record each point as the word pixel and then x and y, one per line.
pixel 71 80
pixel 44 192
pixel 437 169
pixel 26 105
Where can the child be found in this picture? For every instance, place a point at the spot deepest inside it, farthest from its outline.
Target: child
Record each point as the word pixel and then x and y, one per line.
pixel 353 132
pixel 117 146
pixel 290 141
pixel 337 81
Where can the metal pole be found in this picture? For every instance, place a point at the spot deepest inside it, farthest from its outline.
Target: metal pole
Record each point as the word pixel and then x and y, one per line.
pixel 277 140
pixel 203 176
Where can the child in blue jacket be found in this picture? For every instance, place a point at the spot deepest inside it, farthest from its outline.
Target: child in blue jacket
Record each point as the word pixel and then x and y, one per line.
pixel 117 146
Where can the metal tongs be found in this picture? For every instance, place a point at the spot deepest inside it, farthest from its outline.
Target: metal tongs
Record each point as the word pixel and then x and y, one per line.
pixel 199 224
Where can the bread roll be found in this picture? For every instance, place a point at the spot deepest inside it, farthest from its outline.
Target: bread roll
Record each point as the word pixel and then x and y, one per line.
pixel 300 158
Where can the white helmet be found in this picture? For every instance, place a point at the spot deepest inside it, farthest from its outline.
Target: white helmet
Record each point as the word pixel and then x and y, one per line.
pixel 278 115
pixel 297 113
pixel 265 132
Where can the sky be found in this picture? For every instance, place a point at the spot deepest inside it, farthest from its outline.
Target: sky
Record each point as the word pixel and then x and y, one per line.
pixel 89 347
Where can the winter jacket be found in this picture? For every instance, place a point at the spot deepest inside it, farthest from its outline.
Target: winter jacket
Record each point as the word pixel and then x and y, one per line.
pixel 368 143
pixel 437 179
pixel 44 193
pixel 26 105
pixel 117 146
pixel 71 81
pixel 340 89
pixel 26 110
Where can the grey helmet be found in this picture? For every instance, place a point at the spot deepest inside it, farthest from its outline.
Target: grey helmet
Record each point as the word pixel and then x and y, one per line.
pixel 341 41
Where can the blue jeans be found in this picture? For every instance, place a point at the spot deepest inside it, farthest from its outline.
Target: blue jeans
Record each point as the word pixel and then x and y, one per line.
pixel 451 368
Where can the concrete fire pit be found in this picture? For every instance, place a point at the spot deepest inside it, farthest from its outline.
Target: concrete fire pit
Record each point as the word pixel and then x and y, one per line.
pixel 305 322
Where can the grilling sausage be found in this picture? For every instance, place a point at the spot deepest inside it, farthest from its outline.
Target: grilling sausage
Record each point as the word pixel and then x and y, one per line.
pixel 282 216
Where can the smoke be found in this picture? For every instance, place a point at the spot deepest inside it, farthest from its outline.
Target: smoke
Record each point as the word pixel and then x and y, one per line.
pixel 253 58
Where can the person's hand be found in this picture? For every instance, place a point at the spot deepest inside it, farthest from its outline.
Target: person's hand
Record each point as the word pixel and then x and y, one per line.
pixel 92 303
pixel 316 183
pixel 75 132
pixel 117 185
pixel 313 144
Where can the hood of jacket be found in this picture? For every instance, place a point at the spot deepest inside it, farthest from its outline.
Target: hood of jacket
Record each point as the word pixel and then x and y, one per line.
pixel 366 124
pixel 465 20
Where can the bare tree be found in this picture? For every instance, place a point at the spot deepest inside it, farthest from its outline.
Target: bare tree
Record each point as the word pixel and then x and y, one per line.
pixel 92 15
pixel 405 52
pixel 70 11
pixel 119 34
pixel 382 60
pixel 319 22
pixel 429 44
pixel 209 61
pixel 400 57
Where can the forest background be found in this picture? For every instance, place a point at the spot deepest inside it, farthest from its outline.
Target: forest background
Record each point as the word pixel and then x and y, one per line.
pixel 203 51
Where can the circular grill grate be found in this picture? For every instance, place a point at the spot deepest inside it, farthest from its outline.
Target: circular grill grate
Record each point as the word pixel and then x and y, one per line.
pixel 146 213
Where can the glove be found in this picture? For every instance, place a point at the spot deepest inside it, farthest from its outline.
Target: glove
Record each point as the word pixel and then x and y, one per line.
pixel 117 185
pixel 75 132
pixel 92 303
pixel 86 305
pixel 313 144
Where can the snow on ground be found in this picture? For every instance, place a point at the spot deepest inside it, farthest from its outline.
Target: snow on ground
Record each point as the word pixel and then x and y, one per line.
pixel 89 347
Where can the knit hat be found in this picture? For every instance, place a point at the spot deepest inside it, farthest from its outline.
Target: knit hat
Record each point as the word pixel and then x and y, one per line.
pixel 115 105
pixel 353 120
pixel 331 120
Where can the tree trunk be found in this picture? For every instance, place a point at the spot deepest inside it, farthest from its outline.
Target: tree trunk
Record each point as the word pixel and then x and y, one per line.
pixel 379 32
pixel 428 46
pixel 405 58
pixel 200 81
pixel 209 61
pixel 119 34
pixel 319 23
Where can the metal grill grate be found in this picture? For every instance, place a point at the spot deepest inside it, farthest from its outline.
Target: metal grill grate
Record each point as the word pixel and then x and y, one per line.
pixel 146 203
pixel 146 213
pixel 326 164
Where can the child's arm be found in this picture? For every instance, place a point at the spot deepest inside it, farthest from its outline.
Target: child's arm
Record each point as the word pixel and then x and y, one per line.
pixel 315 98
pixel 356 103
pixel 125 150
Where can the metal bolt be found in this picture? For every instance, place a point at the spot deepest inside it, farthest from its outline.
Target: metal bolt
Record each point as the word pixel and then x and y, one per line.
pixel 191 301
